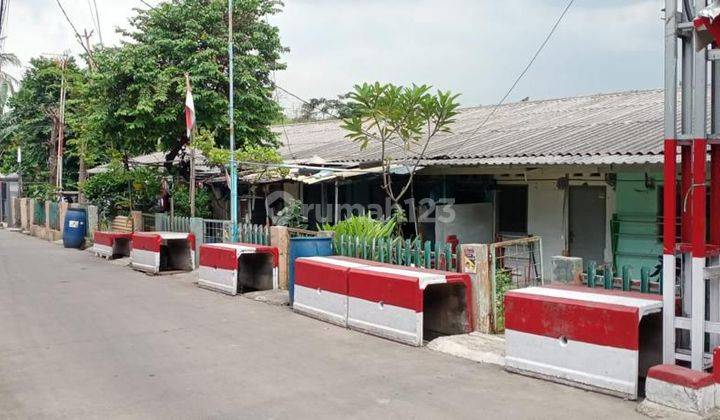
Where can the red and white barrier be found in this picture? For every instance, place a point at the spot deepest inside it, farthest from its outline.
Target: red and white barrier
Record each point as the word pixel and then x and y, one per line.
pixel 593 339
pixel 221 265
pixel 154 252
pixel 390 302
pixel 381 299
pixel 321 288
pixel 110 244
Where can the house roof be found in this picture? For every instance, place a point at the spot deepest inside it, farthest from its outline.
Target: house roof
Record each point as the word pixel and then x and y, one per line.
pixel 157 159
pixel 611 128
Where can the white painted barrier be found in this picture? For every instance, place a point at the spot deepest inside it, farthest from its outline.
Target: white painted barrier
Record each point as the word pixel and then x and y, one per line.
pixel 595 339
pixel 230 267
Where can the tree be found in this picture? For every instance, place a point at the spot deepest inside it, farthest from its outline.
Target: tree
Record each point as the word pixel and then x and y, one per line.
pixel 7 82
pixel 322 108
pixel 396 120
pixel 32 120
pixel 137 93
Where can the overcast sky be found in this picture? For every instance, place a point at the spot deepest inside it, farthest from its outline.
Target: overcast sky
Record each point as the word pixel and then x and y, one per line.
pixel 472 47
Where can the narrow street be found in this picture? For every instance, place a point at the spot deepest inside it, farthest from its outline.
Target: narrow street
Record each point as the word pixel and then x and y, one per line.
pixel 84 338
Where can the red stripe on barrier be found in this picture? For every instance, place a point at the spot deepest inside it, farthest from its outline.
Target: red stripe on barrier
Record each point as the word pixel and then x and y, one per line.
pixel 603 324
pixel 388 288
pixel 316 275
pixel 678 375
pixel 146 242
pixel 108 238
pixel 218 257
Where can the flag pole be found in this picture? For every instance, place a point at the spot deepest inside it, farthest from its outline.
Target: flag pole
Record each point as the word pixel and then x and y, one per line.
pixel 191 137
pixel 233 168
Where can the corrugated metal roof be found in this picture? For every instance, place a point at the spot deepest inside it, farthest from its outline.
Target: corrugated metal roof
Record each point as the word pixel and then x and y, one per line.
pixel 613 128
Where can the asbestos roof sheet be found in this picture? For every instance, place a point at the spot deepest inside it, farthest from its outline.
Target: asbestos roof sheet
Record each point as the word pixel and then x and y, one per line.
pixel 613 128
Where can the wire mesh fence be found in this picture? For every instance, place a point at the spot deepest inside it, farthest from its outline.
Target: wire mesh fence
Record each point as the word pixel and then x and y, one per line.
pixel 148 222
pixel 219 231
pixel 514 264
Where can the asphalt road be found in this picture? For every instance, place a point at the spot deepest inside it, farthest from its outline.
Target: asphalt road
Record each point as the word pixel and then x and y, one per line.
pixel 84 338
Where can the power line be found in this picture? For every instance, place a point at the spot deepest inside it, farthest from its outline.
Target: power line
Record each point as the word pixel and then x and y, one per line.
pixel 324 111
pixel 522 74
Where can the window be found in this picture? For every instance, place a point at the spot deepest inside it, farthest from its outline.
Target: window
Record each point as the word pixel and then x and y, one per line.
pixel 512 208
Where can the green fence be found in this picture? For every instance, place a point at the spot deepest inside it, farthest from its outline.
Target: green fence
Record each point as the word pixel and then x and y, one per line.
pixel 54 216
pixel 253 234
pixel 625 279
pixel 39 213
pixel 398 251
pixel 173 224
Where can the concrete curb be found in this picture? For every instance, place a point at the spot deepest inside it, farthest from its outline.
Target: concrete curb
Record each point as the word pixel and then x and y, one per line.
pixel 478 347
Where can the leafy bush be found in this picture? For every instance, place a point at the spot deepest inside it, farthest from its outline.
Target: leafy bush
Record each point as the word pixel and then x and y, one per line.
pixel 41 191
pixel 117 190
pixel 181 197
pixel 362 226
pixel 292 215
pixel 503 283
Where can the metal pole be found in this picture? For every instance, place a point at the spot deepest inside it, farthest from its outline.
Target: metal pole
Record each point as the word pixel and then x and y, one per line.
pixel 336 215
pixel 233 167
pixel 670 134
pixel 61 128
pixel 714 286
pixel 192 157
pixel 699 133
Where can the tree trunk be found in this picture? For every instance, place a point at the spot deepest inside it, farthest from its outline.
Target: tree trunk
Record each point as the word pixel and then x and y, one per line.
pixel 52 153
pixel 82 176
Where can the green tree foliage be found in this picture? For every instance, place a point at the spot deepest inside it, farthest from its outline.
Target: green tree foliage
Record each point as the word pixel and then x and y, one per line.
pixel 322 108
pixel 292 215
pixel 7 82
pixel 401 122
pixel 138 91
pixel 28 124
pixel 117 191
pixel 203 204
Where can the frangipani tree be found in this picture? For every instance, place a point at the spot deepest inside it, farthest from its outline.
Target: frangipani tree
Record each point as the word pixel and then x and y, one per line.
pixel 402 122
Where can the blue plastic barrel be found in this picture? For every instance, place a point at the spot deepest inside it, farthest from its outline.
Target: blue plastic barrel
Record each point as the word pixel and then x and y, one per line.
pixel 75 228
pixel 306 247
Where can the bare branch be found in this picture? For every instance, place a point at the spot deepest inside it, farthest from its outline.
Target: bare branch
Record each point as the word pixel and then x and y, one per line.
pixel 79 37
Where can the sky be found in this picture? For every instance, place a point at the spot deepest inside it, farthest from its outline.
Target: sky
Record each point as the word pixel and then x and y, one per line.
pixel 472 47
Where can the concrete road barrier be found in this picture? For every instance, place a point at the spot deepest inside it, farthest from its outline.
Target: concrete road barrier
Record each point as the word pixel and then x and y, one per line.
pixel 112 244
pixel 600 340
pixel 234 268
pixel 321 287
pixel 408 305
pixel 156 252
pixel 403 304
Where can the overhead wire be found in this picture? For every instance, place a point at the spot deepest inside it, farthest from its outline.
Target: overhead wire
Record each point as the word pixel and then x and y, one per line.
pixel 521 75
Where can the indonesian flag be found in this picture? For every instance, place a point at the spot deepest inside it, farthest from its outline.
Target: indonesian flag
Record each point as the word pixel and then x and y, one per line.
pixel 189 108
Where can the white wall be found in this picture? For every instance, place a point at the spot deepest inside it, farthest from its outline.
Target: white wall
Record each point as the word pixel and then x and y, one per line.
pixel 548 219
pixel 472 223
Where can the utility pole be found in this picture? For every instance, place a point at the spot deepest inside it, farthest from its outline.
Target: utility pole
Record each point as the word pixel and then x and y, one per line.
pixel 233 167
pixel 192 156
pixel 61 123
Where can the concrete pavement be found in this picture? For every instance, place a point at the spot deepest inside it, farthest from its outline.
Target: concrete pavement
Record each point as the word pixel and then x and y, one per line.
pixel 83 338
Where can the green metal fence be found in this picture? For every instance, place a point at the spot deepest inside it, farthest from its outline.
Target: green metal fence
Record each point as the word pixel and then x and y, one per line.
pixel 605 277
pixel 253 234
pixel 173 224
pixel 39 213
pixel 398 251
pixel 54 216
